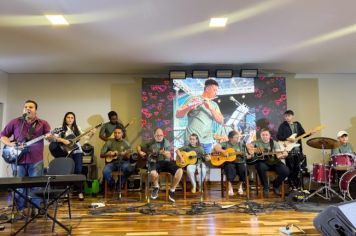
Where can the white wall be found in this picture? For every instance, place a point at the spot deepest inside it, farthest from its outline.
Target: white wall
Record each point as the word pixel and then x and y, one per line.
pixel 88 96
pixel 4 170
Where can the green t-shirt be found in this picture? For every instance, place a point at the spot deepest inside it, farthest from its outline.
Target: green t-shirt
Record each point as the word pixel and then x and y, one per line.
pixel 200 121
pixel 155 147
pixel 198 150
pixel 345 148
pixel 107 129
pixel 115 145
pixel 266 147
pixel 239 147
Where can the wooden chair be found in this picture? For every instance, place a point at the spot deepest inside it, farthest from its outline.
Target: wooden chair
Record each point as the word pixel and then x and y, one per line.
pixel 184 180
pixel 225 187
pixel 270 174
pixel 106 189
pixel 168 179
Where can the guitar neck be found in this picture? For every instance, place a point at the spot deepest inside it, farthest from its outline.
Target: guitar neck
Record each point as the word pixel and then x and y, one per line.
pixel 35 140
pixel 309 132
pixel 76 139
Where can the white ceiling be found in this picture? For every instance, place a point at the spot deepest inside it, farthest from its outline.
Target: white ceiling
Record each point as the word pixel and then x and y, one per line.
pixel 135 36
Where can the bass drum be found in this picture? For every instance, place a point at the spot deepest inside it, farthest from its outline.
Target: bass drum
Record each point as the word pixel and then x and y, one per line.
pixel 348 184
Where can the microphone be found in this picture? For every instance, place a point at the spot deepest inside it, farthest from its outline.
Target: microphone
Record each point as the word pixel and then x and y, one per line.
pixel 25 114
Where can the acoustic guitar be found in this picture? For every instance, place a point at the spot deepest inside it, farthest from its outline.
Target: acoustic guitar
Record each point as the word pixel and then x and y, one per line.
pixel 261 155
pixel 217 159
pixel 190 158
pixel 110 158
pixel 59 149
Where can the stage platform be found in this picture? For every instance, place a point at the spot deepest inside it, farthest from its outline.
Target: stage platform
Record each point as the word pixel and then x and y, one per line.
pixel 129 217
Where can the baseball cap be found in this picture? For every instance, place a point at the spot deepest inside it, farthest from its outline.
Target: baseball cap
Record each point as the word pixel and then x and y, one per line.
pixel 341 133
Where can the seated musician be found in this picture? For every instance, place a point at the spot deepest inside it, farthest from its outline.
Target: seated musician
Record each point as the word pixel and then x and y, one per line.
pixel 271 162
pixel 195 146
pixel 159 157
pixel 107 129
pixel 237 167
pixel 116 151
pixel 345 146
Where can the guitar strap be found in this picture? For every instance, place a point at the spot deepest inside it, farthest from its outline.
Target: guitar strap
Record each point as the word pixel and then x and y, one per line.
pixel 31 131
pixel 271 144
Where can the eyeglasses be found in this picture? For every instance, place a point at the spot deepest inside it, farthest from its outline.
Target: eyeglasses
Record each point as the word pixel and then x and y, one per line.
pixel 159 135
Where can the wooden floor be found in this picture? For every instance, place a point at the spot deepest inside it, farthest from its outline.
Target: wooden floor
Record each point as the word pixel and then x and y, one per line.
pixel 121 218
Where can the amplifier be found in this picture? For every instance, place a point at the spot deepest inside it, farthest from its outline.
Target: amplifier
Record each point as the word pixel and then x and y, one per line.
pixel 134 183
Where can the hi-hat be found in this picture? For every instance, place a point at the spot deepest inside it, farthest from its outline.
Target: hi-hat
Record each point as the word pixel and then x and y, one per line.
pixel 323 143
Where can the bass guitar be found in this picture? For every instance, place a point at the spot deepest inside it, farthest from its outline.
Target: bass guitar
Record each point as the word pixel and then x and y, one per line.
pixel 12 154
pixel 190 158
pixel 288 145
pixel 217 159
pixel 59 149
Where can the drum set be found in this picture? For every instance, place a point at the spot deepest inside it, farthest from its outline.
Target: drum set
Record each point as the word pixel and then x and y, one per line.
pixel 328 173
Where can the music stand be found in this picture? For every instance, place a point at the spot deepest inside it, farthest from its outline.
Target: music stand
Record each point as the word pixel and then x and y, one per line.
pixel 323 144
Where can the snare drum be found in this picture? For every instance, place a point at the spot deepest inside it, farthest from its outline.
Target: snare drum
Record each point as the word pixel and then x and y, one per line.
pixel 342 161
pixel 321 173
pixel 348 184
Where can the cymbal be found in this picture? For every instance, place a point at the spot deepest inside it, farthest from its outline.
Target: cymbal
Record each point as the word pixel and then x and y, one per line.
pixel 323 143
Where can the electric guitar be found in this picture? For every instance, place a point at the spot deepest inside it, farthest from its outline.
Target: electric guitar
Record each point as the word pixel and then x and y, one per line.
pixel 217 159
pixel 288 145
pixel 12 154
pixel 190 158
pixel 59 149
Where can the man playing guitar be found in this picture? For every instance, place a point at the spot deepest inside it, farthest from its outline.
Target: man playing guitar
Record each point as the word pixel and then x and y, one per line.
pixel 22 129
pixel 107 128
pixel 159 157
pixel 295 156
pixel 273 162
pixel 117 148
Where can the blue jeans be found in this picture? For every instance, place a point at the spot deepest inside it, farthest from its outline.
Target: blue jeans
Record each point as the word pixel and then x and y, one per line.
pixel 78 166
pixel 35 169
pixel 207 147
pixel 124 166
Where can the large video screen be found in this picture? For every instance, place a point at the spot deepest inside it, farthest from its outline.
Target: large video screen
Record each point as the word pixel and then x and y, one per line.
pixel 247 105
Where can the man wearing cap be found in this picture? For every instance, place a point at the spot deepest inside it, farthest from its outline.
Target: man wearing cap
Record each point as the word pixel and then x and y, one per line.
pixel 202 111
pixel 295 156
pixel 345 146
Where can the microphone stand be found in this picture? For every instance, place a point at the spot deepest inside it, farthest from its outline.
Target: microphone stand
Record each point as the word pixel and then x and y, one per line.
pixel 247 201
pixel 14 171
pixel 148 208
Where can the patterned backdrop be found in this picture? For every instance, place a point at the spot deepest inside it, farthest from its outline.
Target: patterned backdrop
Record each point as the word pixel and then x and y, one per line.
pixel 267 105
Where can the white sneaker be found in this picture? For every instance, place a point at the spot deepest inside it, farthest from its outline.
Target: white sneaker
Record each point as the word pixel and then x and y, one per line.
pixel 241 190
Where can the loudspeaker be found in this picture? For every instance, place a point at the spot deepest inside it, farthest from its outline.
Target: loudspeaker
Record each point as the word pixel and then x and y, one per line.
pixel 337 220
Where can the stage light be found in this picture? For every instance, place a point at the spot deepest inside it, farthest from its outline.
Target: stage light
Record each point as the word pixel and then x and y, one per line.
pixel 203 74
pixel 177 74
pixel 218 22
pixel 223 73
pixel 57 19
pixel 248 73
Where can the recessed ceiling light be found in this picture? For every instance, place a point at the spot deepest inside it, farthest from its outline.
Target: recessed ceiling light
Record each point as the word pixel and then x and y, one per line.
pixel 218 22
pixel 57 20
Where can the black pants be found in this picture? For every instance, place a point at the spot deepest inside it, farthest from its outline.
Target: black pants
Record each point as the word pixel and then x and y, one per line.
pixel 281 169
pixel 232 169
pixel 293 162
